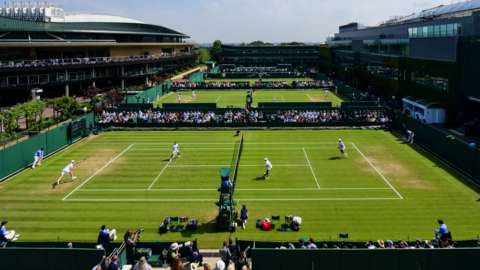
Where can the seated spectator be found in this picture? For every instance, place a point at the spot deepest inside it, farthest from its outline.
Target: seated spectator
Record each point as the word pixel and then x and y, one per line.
pixel 311 244
pixel 106 236
pixel 114 264
pixel 142 264
pixel 442 231
pixel 220 265
pixel 6 235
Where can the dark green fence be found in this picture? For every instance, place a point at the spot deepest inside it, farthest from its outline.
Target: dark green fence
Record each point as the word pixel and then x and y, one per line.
pixel 20 155
pixel 147 96
pixel 453 151
pixel 295 105
pixel 49 258
pixel 378 259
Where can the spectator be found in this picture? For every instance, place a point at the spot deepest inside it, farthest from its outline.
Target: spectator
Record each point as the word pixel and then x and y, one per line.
pixel 225 254
pixel 130 243
pixel 442 231
pixel 220 265
pixel 311 244
pixel 142 264
pixel 6 235
pixel 173 255
pixel 105 236
pixel 114 264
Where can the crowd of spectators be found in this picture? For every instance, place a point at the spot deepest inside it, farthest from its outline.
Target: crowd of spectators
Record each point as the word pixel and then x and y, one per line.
pixel 54 62
pixel 277 69
pixel 243 116
pixel 182 85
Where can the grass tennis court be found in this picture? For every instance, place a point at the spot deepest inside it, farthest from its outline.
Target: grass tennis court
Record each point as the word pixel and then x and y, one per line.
pixel 384 189
pixel 236 98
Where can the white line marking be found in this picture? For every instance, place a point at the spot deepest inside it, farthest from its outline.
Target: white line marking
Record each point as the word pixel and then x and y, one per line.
pixel 241 165
pixel 311 168
pixel 378 171
pixel 222 143
pixel 159 174
pixel 248 199
pixel 238 189
pixel 218 99
pixel 98 171
pixel 310 97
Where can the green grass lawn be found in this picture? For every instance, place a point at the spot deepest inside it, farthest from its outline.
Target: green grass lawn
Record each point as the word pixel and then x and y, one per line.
pixel 384 189
pixel 236 98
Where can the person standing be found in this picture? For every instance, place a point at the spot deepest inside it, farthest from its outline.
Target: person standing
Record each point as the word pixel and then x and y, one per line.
pixel 244 216
pixel 38 158
pixel 67 170
pixel 175 151
pixel 269 168
pixel 342 148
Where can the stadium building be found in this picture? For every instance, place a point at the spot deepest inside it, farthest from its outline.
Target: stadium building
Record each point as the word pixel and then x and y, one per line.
pixel 283 58
pixel 43 46
pixel 432 54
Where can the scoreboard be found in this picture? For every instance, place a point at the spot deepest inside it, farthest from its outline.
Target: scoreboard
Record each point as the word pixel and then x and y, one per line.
pixel 77 129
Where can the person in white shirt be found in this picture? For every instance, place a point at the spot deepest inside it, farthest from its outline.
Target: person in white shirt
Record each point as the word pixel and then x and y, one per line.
pixel 175 151
pixel 194 94
pixel 342 147
pixel 67 170
pixel 410 136
pixel 38 158
pixel 269 168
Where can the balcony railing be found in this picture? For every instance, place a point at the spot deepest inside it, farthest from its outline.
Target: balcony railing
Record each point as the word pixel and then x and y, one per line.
pixel 42 63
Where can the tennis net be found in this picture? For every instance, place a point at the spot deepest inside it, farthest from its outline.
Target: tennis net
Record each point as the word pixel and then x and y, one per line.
pixel 236 161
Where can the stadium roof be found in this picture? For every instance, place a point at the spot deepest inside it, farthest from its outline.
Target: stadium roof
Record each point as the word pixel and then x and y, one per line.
pixel 51 19
pixel 83 17
pixel 439 11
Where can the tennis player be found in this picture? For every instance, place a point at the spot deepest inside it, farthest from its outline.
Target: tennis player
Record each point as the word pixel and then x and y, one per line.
pixel 67 170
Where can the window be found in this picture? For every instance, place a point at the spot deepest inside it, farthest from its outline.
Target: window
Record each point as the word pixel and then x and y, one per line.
pixel 450 30
pixel 436 31
pixel 443 30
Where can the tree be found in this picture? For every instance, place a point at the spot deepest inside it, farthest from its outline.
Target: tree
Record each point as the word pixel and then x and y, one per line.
pixel 217 51
pixel 260 43
pixel 65 106
pixel 204 55
pixel 114 97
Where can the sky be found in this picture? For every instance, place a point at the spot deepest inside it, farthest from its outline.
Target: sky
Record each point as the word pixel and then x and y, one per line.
pixel 235 21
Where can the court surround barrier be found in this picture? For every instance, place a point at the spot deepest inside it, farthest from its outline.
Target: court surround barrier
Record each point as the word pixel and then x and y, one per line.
pixel 147 96
pixel 376 259
pixel 453 151
pixel 28 258
pixel 19 156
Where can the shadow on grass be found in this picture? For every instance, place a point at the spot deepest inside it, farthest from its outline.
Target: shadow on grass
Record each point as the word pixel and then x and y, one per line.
pixel 260 178
pixel 439 163
pixel 334 158
pixel 208 227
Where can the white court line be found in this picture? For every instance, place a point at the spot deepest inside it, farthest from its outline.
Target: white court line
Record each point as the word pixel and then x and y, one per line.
pixel 188 200
pixel 240 165
pixel 378 171
pixel 225 143
pixel 238 189
pixel 159 174
pixel 311 168
pixel 218 99
pixel 310 97
pixel 98 171
pixel 183 148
